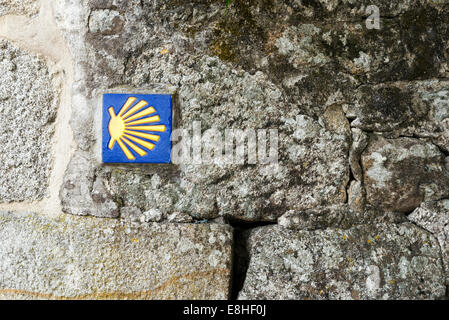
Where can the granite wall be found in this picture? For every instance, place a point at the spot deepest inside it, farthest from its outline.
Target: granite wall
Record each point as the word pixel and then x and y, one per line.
pixel 356 207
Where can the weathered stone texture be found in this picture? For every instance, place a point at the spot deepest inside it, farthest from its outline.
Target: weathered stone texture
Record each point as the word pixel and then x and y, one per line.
pixel 383 261
pixel 363 123
pixel 83 192
pixel 300 67
pixel 90 258
pixel 29 94
pixel 105 22
pixel 401 173
pixel 340 216
pixel 434 217
pixel 19 7
pixel 312 171
pixel 418 108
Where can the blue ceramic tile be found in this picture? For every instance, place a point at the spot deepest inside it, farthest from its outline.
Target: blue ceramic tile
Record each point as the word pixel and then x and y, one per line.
pixel 136 128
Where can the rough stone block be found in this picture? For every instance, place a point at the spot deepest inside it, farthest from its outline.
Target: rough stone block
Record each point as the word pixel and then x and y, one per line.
pixel 90 258
pixel 418 108
pixel 401 173
pixel 83 193
pixel 28 104
pixel 383 261
pixel 313 172
pixel 434 217
pixel 19 7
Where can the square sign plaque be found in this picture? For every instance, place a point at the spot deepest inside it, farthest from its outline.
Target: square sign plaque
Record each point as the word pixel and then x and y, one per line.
pixel 136 128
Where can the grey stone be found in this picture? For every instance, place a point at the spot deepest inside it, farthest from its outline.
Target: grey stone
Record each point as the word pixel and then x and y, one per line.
pixel 313 156
pixel 297 45
pixel 401 173
pixel 179 217
pixel 19 7
pixel 339 216
pixel 435 94
pixel 83 192
pixel 404 109
pixel 264 74
pixel 265 37
pixel 434 217
pixel 147 189
pixel 220 95
pixel 314 219
pixel 320 169
pixel 153 215
pixel 105 21
pixel 383 261
pixel 387 107
pixel 335 120
pixel 29 95
pixel 220 220
pixel 132 214
pixel 311 70
pixel 238 193
pixel 89 258
pixel 356 196
pixel 359 142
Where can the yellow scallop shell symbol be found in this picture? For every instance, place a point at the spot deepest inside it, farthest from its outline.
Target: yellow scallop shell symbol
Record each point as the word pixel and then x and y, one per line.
pixel 128 126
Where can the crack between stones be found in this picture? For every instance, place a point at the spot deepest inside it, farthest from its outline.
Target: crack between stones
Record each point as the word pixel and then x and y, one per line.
pixel 396 82
pixel 240 254
pixel 444 152
pixel 359 160
pixel 348 184
pixel 239 250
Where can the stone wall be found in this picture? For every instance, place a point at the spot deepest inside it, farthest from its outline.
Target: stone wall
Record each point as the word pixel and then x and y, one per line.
pixel 356 207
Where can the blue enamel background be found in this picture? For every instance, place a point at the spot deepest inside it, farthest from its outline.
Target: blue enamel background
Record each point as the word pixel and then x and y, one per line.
pixel 162 150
